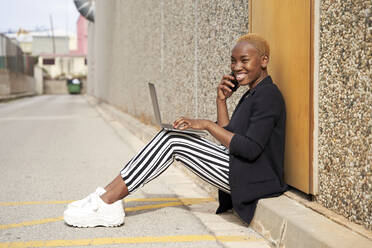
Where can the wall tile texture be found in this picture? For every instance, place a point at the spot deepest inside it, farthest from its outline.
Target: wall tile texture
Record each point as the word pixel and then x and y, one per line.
pixel 345 100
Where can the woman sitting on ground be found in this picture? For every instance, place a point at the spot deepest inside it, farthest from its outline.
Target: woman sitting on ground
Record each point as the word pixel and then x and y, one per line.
pixel 247 166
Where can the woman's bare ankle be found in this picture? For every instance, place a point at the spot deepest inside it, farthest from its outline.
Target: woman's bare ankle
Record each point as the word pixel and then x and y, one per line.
pixel 117 192
pixel 117 181
pixel 108 198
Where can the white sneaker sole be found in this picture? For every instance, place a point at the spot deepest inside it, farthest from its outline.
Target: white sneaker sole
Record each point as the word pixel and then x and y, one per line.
pixel 77 222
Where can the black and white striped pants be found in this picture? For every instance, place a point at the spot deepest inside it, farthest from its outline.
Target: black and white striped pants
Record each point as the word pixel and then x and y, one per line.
pixel 206 159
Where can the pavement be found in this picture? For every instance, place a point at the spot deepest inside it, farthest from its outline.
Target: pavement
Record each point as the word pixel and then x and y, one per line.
pixel 59 148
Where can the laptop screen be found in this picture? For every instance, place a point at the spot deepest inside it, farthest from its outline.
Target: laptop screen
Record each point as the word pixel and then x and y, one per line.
pixel 155 103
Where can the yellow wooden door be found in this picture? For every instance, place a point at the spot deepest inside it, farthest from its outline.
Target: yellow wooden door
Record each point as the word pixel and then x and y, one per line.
pixel 286 24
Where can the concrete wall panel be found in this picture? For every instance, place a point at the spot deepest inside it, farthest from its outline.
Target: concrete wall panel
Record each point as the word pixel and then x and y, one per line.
pixel 21 83
pixel 4 82
pixel 54 86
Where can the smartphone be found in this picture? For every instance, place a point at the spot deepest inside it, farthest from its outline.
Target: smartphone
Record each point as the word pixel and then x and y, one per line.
pixel 235 82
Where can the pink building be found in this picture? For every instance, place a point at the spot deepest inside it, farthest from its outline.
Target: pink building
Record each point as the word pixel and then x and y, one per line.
pixel 82 36
pixel 72 64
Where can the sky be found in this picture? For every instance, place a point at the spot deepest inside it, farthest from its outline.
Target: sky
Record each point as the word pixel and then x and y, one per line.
pixel 31 14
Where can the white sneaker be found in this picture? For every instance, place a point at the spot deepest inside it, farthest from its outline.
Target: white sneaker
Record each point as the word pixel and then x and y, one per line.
pixel 95 212
pixel 99 191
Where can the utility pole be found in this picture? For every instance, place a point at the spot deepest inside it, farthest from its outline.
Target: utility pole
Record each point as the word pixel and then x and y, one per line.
pixel 51 25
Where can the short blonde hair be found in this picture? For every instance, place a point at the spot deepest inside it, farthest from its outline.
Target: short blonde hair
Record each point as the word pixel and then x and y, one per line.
pixel 257 41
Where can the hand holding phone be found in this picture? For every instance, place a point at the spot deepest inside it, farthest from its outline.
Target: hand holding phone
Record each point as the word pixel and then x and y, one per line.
pixel 235 82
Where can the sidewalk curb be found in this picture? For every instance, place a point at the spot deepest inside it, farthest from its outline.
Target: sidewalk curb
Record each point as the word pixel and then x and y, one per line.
pixel 16 96
pixel 283 221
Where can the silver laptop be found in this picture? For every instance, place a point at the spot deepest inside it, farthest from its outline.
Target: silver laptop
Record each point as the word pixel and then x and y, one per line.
pixel 155 105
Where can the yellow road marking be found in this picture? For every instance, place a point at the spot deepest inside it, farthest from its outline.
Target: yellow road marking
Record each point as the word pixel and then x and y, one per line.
pixel 150 199
pixel 128 240
pixel 126 200
pixel 181 201
pixel 31 223
pixel 162 205
pixel 190 201
pixel 32 203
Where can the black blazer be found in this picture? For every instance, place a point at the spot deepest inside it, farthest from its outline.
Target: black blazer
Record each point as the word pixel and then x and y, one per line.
pixel 256 150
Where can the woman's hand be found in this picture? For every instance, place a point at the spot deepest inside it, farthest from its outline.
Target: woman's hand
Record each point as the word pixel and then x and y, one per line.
pixel 221 134
pixel 223 90
pixel 185 123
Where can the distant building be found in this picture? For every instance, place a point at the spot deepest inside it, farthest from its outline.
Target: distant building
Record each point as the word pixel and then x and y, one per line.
pixel 82 36
pixel 63 65
pixel 71 64
pixel 36 43
pixel 44 44
pixel 60 54
pixel 24 40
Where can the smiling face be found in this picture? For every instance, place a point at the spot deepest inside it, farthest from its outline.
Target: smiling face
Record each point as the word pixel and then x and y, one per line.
pixel 248 64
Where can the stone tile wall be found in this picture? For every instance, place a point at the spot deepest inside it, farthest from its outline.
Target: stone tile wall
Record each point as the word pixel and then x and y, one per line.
pixel 345 100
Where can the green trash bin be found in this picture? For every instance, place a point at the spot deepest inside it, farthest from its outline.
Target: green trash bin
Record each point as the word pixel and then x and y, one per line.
pixel 74 88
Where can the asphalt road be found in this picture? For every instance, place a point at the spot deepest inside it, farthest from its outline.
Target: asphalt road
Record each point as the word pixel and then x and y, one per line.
pixel 58 148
